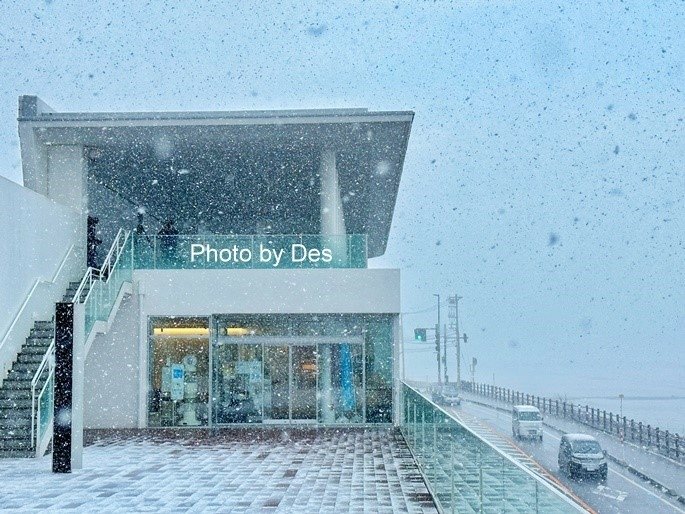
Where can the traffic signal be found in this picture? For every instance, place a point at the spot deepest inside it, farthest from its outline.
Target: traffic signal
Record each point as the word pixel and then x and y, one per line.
pixel 420 334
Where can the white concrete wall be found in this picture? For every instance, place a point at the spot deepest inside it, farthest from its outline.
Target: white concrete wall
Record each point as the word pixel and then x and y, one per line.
pixel 116 381
pixel 195 292
pixel 113 373
pixel 35 234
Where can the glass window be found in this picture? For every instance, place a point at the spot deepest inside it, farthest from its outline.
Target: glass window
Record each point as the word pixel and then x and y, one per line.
pixel 341 386
pixel 237 385
pixel 303 368
pixel 179 372
pixel 379 366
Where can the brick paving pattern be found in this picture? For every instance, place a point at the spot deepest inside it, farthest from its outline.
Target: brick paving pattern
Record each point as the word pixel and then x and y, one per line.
pixel 347 470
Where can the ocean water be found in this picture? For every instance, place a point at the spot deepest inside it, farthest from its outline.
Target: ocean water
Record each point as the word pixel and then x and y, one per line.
pixel 654 393
pixel 665 413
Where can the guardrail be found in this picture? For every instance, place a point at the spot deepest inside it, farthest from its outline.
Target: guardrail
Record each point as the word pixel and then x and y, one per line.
pixel 465 473
pixel 662 441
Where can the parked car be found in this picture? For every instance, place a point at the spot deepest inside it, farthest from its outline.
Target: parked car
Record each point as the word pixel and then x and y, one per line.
pixel 526 422
pixel 581 454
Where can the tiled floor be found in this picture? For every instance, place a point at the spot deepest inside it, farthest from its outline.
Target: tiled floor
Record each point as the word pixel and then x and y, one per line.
pixel 238 471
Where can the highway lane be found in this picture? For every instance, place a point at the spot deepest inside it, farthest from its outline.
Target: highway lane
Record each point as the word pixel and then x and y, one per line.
pixel 621 493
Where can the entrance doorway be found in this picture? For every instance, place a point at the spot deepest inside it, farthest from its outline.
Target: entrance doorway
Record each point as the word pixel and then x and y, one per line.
pixel 276 383
pixel 303 383
pixel 289 383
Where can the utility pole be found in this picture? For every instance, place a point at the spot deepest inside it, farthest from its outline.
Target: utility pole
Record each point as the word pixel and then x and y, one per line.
pixel 444 352
pixel 437 340
pixel 454 314
pixel 474 362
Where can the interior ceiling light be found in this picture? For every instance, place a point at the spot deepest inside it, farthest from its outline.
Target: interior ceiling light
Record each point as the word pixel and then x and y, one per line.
pixel 236 331
pixel 182 331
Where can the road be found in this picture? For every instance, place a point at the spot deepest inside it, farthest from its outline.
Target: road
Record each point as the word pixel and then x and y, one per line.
pixel 621 493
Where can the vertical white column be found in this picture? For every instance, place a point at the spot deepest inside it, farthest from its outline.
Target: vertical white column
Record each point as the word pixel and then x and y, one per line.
pixel 332 224
pixel 67 176
pixel 67 183
pixel 332 215
pixel 332 219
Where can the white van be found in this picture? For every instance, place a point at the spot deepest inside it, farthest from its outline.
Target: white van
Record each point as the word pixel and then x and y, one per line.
pixel 526 422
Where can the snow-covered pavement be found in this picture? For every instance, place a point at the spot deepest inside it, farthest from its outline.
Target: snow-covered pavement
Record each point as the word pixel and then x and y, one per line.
pixel 347 470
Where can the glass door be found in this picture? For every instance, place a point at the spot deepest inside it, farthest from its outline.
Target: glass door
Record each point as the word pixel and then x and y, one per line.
pixel 303 367
pixel 276 383
pixel 237 383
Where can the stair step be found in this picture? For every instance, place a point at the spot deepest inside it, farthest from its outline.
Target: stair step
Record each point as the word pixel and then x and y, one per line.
pixel 15 423
pixel 14 434
pixel 12 394
pixel 68 298
pixel 18 384
pixel 41 333
pixel 45 324
pixel 20 403
pixel 25 358
pixel 15 444
pixel 15 441
pixel 11 384
pixel 16 454
pixel 25 367
pixel 39 341
pixel 20 373
pixel 35 350
pixel 16 413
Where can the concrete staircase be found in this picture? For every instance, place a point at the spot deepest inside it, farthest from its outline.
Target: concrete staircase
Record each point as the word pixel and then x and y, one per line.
pixel 71 291
pixel 15 393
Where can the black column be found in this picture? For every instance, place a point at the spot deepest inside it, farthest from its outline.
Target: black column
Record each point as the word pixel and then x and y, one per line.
pixel 64 368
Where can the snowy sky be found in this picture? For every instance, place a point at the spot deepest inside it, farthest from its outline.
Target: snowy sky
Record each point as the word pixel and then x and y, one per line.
pixel 544 178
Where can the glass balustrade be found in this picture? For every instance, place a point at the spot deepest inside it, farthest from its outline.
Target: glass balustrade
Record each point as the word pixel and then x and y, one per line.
pixel 467 474
pixel 105 289
pixel 249 251
pixel 45 407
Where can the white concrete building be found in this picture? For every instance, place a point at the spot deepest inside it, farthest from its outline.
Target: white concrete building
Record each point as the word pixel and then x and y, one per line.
pixel 237 288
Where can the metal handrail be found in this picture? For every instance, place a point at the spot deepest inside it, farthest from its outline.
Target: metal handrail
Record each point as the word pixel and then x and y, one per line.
pixel 90 275
pixel 48 360
pixel 33 289
pixel 119 252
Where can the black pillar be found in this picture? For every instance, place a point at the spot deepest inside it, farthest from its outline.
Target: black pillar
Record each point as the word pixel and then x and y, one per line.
pixel 64 368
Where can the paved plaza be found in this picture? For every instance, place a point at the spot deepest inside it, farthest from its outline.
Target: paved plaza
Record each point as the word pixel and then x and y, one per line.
pixel 347 470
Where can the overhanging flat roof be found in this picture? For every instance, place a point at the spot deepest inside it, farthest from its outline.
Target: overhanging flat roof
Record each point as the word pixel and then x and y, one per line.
pixel 371 147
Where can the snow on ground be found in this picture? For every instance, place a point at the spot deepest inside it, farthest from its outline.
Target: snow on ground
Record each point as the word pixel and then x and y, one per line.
pixel 350 470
